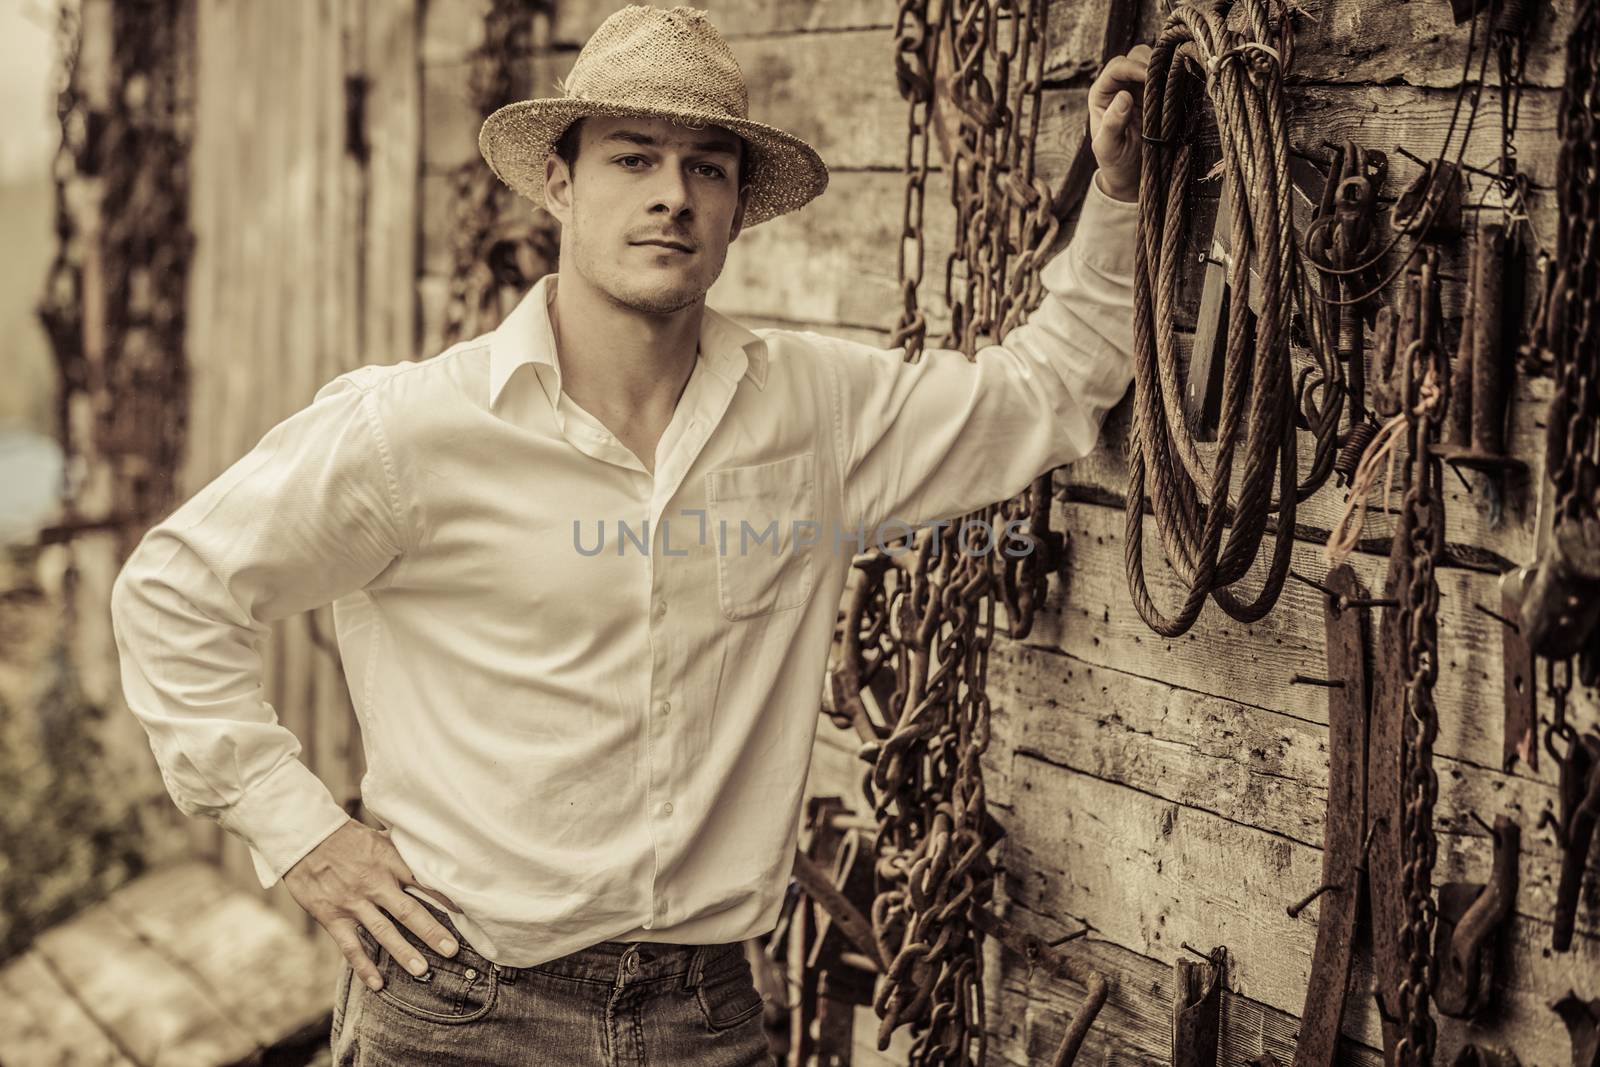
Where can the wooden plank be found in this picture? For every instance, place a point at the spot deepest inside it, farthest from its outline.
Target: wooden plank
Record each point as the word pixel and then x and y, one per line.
pixel 270 979
pixel 153 1009
pixel 849 271
pixel 1412 44
pixel 838 91
pixel 574 22
pixel 1134 1027
pixel 1220 657
pixel 1246 764
pixel 1151 875
pixel 42 1024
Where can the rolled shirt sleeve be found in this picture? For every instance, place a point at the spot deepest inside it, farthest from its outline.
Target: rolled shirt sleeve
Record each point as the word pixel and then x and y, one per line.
pixel 310 513
pixel 939 438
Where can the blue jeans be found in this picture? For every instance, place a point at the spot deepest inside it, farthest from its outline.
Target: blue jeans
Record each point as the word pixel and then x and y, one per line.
pixel 613 1004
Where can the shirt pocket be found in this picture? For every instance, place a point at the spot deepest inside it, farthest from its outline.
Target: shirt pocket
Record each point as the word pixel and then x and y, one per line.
pixel 754 513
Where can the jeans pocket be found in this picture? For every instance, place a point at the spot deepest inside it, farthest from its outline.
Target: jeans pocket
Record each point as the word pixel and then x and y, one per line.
pixel 453 990
pixel 341 997
pixel 758 513
pixel 728 996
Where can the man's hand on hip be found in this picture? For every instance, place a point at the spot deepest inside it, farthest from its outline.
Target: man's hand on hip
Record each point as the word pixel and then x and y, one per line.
pixel 1116 121
pixel 356 877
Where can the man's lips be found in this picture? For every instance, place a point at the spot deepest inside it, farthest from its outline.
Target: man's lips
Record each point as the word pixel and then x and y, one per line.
pixel 673 245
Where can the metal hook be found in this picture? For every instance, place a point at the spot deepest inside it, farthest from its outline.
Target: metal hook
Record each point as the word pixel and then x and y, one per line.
pixel 1326 683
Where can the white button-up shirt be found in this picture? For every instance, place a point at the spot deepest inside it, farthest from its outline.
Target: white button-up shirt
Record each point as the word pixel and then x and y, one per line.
pixel 587 694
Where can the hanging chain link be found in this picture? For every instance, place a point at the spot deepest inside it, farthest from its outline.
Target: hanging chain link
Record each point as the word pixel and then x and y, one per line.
pixel 919 628
pixel 114 300
pixel 1427 388
pixel 1568 330
pixel 500 247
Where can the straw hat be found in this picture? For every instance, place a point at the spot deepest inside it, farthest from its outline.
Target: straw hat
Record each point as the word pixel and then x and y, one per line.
pixel 655 63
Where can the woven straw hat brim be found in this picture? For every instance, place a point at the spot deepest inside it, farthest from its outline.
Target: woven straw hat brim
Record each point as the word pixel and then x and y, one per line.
pixel 783 171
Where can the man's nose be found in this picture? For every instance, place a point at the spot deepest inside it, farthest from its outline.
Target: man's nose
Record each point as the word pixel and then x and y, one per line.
pixel 670 189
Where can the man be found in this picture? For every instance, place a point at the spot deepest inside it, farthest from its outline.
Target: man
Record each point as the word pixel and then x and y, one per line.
pixel 589 760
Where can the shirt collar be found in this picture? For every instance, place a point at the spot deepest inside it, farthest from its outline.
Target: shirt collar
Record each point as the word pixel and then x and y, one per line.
pixel 727 348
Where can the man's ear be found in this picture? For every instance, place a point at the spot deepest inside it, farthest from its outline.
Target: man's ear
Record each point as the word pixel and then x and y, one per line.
pixel 738 213
pixel 558 187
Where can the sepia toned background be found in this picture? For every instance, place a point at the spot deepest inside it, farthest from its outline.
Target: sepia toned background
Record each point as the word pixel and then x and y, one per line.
pixel 263 194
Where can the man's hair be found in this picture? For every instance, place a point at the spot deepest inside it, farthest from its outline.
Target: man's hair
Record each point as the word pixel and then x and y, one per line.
pixel 567 148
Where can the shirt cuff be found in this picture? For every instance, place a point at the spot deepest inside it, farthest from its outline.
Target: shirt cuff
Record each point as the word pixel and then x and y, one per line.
pixel 1106 232
pixel 282 817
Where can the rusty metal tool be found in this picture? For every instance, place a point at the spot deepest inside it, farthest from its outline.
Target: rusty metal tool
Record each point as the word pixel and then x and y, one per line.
pixel 1562 605
pixel 1484 1056
pixel 1343 858
pixel 1202 397
pixel 1520 691
pixel 1197 1009
pixel 1579 789
pixel 1482 379
pixel 1383 812
pixel 1583 1024
pixel 1469 917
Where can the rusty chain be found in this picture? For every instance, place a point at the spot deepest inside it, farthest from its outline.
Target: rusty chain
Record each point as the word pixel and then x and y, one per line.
pixel 922 618
pixel 113 305
pixel 1569 329
pixel 500 249
pixel 1426 371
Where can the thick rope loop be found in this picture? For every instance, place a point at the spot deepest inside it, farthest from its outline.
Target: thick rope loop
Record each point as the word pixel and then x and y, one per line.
pixel 1256 427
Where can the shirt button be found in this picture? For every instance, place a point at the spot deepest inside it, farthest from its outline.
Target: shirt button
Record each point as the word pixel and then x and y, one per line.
pixel 667 808
pixel 666 706
pixel 661 609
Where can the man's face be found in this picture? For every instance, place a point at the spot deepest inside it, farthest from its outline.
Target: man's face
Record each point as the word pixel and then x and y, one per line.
pixel 643 180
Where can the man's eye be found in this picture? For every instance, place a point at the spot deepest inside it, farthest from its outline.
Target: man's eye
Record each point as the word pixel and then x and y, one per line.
pixel 624 159
pixel 716 172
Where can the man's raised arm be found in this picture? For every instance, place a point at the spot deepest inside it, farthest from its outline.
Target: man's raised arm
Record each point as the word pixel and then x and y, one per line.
pixel 936 439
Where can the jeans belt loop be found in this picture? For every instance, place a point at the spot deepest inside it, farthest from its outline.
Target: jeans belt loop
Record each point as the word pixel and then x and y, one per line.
pixel 691 977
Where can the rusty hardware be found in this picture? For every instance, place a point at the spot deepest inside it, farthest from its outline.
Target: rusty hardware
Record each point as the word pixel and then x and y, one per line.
pixel 1481 381
pixel 1430 207
pixel 499 249
pixel 1402 786
pixel 1342 244
pixel 822 954
pixel 1579 790
pixel 113 303
pixel 1520 739
pixel 971 72
pixel 1202 397
pixel 1384 804
pixel 1469 917
pixel 1559 612
pixel 1472 1055
pixel 838 907
pixel 1197 1009
pixel 1583 1025
pixel 1044 954
pixel 1344 832
pixel 1562 604
pixel 1422 527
